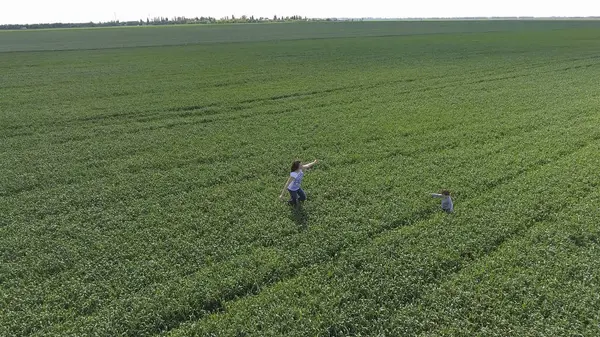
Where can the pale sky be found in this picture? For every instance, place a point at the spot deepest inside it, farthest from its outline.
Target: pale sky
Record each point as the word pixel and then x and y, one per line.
pixel 44 11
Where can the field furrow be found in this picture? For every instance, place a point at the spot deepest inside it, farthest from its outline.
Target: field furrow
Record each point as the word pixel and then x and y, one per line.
pixel 282 264
pixel 372 282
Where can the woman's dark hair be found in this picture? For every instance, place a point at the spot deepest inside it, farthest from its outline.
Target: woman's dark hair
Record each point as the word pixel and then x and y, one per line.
pixel 445 192
pixel 295 165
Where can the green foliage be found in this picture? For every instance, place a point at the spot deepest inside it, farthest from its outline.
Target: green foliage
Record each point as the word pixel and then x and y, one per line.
pixel 138 186
pixel 184 35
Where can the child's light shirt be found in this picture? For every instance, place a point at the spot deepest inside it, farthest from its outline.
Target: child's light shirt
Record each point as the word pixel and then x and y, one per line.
pixel 447 204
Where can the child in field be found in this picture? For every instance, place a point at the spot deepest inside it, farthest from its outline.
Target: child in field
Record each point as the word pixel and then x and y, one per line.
pixel 447 205
pixel 293 182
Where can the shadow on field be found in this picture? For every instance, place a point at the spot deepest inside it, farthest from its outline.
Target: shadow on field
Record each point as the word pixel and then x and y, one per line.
pixel 300 217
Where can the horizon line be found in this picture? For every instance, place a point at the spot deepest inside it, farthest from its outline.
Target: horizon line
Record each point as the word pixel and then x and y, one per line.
pixel 328 18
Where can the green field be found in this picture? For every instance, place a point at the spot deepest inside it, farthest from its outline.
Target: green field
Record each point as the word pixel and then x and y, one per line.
pixel 140 170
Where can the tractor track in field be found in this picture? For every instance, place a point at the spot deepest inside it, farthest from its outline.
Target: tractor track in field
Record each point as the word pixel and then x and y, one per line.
pixel 232 295
pixel 539 217
pixel 215 306
pixel 210 113
pixel 138 186
pixel 203 160
pixel 468 260
pixel 214 108
pixel 271 39
pixel 423 215
pixel 200 161
pixel 208 109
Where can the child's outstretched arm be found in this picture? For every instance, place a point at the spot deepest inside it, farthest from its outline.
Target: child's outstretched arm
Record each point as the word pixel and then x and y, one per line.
pixel 287 183
pixel 309 165
pixel 437 195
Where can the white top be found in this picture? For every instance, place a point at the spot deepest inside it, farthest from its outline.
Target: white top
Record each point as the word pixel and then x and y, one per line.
pixel 295 184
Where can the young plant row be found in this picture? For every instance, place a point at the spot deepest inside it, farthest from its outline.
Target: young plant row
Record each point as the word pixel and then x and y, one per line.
pixel 362 290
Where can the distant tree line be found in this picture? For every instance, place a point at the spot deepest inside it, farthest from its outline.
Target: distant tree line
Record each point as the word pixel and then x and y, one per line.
pixel 162 21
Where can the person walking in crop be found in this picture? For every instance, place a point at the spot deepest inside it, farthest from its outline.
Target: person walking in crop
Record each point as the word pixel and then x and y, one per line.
pixel 293 182
pixel 447 205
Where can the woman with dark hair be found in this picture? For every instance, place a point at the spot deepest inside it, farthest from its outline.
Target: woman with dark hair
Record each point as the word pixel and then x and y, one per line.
pixel 293 182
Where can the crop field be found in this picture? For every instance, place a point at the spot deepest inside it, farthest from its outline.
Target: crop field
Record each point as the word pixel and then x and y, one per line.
pixel 140 170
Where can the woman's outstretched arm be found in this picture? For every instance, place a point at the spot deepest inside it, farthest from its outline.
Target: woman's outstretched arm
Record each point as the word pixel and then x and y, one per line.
pixel 309 165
